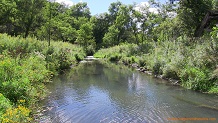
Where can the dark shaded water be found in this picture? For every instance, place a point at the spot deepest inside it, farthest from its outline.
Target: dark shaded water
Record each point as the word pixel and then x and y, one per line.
pixel 94 93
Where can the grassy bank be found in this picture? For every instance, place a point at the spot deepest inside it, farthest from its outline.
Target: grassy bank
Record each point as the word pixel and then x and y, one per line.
pixel 191 61
pixel 25 66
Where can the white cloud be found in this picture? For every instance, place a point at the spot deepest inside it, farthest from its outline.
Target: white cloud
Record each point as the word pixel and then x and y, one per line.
pixel 171 14
pixel 139 7
pixel 67 2
pixel 143 6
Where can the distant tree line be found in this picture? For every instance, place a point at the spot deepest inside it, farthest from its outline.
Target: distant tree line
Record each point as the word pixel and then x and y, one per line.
pixel 122 23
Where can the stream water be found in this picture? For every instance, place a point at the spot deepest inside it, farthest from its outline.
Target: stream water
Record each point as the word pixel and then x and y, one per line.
pixel 94 92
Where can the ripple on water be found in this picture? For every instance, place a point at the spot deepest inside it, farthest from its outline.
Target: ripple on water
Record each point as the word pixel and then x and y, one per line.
pixel 132 98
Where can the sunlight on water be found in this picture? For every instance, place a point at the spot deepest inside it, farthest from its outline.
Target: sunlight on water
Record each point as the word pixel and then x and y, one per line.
pixel 94 93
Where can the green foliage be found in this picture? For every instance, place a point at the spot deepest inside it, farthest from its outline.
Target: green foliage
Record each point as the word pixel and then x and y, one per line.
pixel 17 115
pixel 4 104
pixel 192 12
pixel 168 29
pixel 195 79
pixel 144 35
pixel 15 84
pixel 100 27
pixel 214 33
pixel 111 37
pixel 85 38
pixel 116 52
pixel 157 68
pixel 141 61
pixel 21 79
pixel 115 57
pixel 25 65
pixel 191 63
pixel 170 71
pixel 214 90
pixel 80 9
pixel 20 16
pixel 53 55
pixel 215 4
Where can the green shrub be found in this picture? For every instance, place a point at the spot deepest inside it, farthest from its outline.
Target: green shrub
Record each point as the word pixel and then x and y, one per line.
pixel 18 81
pixel 170 71
pixel 142 62
pixel 4 104
pixel 127 60
pixel 191 60
pixel 157 68
pixel 20 46
pixel 214 33
pixel 64 59
pixel 78 57
pixel 214 75
pixel 115 57
pixel 19 114
pixel 196 79
pixel 214 90
pixel 25 65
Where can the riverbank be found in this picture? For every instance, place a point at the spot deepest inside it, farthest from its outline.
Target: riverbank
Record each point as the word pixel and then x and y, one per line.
pixel 26 65
pixel 149 72
pixel 191 66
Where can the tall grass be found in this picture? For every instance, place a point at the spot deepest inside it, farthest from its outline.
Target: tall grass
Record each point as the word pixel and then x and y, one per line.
pixel 191 61
pixel 25 66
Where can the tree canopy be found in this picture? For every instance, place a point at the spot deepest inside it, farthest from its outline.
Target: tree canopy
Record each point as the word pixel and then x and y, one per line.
pixel 135 23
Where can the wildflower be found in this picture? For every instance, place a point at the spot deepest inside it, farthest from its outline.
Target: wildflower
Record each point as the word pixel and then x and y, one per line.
pixel 22 101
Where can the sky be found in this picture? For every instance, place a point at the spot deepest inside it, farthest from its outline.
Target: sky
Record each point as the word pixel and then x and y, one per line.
pixel 101 6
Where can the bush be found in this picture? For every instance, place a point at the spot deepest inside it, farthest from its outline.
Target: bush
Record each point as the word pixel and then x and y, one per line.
pixel 115 57
pixel 16 115
pixel 25 65
pixel 116 52
pixel 4 104
pixel 127 60
pixel 170 71
pixel 141 61
pixel 196 79
pixel 214 90
pixel 157 68
pixel 193 61
pixel 22 79
pixel 78 57
pixel 54 54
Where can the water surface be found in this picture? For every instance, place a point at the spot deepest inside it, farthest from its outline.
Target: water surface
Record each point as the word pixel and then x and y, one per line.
pixel 105 93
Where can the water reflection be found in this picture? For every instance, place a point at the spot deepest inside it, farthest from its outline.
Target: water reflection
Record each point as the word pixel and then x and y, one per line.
pixel 95 92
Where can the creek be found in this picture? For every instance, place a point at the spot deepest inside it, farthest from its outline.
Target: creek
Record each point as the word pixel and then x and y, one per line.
pixel 96 92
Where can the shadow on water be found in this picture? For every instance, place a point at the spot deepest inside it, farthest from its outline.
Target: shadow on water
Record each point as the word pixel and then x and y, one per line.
pixel 101 92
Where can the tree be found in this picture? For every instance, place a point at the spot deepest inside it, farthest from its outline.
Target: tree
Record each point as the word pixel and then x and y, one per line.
pixel 8 12
pixel 111 37
pixel 120 30
pixel 81 9
pixel 55 22
pixel 28 12
pixel 18 17
pixel 101 24
pixel 168 29
pixel 61 28
pixel 85 38
pixel 135 21
pixel 191 13
pixel 215 4
pixel 148 17
pixel 113 10
pixel 123 23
